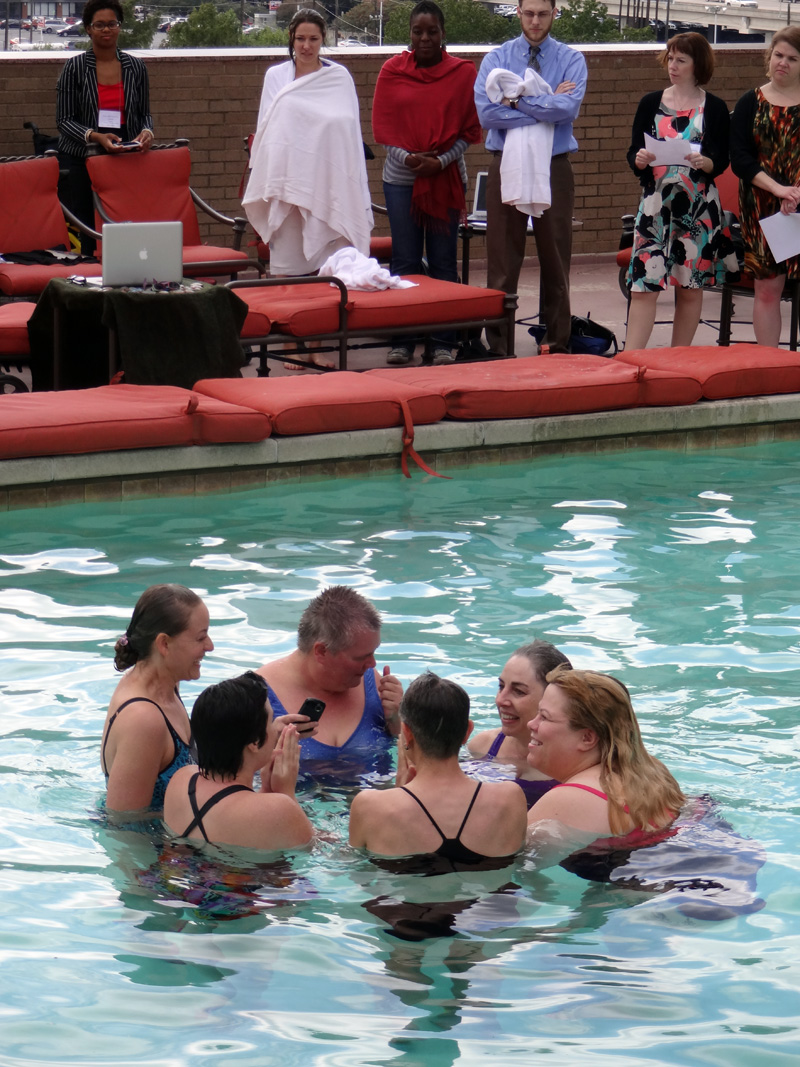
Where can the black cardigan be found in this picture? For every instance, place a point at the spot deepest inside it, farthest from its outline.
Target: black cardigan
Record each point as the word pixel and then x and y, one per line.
pixel 716 128
pixel 745 160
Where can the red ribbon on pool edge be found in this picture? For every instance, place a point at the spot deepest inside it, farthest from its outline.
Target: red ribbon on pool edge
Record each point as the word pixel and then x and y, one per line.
pixel 408 446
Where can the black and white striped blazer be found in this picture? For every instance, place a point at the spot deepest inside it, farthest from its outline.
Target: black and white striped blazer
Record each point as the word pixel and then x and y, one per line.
pixel 77 99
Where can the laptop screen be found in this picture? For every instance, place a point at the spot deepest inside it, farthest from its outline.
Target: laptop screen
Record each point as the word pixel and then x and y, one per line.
pixel 479 204
pixel 137 252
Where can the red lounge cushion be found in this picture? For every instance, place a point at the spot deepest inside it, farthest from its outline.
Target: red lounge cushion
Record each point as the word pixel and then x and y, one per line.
pixel 526 388
pixel 724 373
pixel 30 214
pixel 380 247
pixel 18 279
pixel 328 403
pixel 210 254
pixel 299 310
pixel 427 303
pixel 14 328
pixel 147 187
pixel 114 417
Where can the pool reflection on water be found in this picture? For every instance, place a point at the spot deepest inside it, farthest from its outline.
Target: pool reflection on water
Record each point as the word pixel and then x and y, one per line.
pixel 680 573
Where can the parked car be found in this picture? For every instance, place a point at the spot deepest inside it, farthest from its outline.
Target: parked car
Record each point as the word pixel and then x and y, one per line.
pixel 72 31
pixel 53 25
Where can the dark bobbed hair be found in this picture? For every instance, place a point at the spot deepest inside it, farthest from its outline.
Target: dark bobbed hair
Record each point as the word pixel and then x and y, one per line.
pixel 227 717
pixel 427 7
pixel 93 6
pixel 788 35
pixel 305 14
pixel 699 51
pixel 629 775
pixel 336 617
pixel 543 658
pixel 436 711
pixel 161 609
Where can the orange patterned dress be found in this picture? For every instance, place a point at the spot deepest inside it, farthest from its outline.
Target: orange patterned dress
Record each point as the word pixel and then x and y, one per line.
pixel 776 132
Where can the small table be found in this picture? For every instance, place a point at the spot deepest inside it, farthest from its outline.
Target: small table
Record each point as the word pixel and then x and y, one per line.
pixel 80 335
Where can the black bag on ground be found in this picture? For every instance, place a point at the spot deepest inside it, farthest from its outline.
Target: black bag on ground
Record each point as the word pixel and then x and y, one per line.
pixel 588 337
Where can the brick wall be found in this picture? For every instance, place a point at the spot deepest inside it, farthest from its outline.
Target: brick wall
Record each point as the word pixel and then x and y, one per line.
pixel 212 98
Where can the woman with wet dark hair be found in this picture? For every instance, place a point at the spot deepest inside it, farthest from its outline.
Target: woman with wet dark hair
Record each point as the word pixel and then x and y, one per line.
pixel 147 736
pixel 436 811
pixel 215 801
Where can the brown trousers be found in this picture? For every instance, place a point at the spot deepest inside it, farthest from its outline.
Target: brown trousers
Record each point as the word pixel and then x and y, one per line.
pixel 505 250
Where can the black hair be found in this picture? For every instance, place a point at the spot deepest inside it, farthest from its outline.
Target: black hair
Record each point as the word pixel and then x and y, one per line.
pixel 227 717
pixel 93 6
pixel 305 14
pixel 336 617
pixel 161 609
pixel 543 658
pixel 427 7
pixel 436 711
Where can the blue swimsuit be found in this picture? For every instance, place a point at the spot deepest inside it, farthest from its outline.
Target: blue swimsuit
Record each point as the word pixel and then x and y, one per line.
pixel 181 756
pixel 533 790
pixel 366 749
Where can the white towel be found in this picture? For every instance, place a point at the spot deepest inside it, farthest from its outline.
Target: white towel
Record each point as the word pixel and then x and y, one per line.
pixel 307 154
pixel 357 271
pixel 528 150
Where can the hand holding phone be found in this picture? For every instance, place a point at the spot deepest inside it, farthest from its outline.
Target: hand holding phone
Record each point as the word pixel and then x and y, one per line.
pixel 312 708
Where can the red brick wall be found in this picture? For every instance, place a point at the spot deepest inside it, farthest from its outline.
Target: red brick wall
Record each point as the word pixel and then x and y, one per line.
pixel 212 98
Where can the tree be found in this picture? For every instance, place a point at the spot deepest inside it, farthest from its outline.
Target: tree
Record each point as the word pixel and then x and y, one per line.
pixel 466 22
pixel 266 37
pixel 588 21
pixel 136 34
pixel 285 13
pixel 206 28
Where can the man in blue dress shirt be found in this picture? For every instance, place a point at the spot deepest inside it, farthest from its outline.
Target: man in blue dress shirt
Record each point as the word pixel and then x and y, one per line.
pixel 564 69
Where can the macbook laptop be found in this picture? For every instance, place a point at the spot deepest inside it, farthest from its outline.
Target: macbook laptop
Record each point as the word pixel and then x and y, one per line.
pixel 138 252
pixel 479 204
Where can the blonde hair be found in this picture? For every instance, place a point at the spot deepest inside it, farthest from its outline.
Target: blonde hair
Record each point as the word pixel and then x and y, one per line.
pixel 629 775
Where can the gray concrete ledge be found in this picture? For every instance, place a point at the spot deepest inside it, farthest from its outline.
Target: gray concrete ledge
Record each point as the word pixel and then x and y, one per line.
pixel 53 480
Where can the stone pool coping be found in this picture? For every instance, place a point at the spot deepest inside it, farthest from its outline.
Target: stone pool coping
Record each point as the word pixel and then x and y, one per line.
pixel 125 475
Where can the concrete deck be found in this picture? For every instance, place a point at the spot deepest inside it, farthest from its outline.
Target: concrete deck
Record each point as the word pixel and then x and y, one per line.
pixel 50 481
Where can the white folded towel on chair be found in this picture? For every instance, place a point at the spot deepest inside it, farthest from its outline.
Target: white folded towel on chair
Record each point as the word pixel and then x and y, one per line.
pixel 528 150
pixel 358 271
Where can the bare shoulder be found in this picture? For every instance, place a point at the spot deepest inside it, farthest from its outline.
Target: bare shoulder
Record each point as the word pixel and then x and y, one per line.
pixel 479 744
pixel 574 807
pixel 507 795
pixel 141 716
pixel 277 821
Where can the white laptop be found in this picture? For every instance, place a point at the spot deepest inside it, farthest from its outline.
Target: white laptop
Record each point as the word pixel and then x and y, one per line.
pixel 139 252
pixel 479 204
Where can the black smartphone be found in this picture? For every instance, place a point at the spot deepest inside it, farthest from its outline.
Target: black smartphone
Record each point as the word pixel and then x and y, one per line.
pixel 313 708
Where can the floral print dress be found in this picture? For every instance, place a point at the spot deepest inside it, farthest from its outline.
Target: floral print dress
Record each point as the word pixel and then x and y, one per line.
pixel 679 236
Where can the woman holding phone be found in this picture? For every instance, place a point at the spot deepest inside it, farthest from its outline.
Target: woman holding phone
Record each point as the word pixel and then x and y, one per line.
pixel 103 104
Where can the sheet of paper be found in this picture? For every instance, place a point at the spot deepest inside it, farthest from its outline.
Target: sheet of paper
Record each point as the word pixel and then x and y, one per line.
pixel 782 233
pixel 670 153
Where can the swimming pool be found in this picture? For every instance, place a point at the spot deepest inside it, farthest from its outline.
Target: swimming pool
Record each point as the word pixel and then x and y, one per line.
pixel 679 572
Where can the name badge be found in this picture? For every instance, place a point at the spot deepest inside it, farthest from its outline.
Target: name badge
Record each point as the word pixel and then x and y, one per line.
pixel 109 119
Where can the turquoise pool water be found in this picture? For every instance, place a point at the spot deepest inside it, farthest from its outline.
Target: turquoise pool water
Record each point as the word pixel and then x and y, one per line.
pixel 681 573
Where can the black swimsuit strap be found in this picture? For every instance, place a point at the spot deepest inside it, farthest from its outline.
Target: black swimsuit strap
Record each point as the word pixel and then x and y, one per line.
pixel 433 821
pixel 199 814
pixel 469 809
pixel 435 825
pixel 133 700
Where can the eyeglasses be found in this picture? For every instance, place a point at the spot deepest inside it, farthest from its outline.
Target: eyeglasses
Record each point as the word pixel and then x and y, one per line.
pixel 112 25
